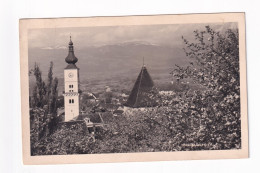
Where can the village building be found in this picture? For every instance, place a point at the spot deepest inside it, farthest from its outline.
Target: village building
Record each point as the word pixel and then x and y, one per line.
pixel 118 111
pixel 124 95
pixel 91 97
pixel 108 89
pixel 167 93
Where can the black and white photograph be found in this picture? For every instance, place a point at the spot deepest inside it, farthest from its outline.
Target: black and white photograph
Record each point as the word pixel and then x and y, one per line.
pixel 126 88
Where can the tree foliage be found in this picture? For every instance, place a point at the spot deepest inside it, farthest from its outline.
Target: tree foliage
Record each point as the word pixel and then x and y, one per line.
pixel 43 114
pixel 39 90
pixel 215 67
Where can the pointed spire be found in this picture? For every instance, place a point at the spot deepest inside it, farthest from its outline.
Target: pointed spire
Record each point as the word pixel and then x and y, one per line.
pixel 139 96
pixel 71 58
pixel 143 62
pixel 70 43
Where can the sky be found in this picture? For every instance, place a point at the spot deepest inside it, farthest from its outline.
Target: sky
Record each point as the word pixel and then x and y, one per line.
pixel 163 35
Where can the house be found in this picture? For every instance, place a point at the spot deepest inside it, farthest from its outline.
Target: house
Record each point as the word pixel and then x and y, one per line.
pixel 107 89
pixel 167 93
pixel 93 121
pixel 118 111
pixel 115 101
pixel 91 97
pixel 60 111
pixel 124 95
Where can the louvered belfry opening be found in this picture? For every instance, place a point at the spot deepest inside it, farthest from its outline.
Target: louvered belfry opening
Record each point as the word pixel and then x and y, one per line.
pixel 141 94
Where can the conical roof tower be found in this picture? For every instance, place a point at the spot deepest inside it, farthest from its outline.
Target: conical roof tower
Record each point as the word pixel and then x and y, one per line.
pixel 141 94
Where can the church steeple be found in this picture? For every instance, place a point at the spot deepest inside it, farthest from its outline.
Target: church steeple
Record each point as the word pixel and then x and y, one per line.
pixel 71 58
pixel 71 85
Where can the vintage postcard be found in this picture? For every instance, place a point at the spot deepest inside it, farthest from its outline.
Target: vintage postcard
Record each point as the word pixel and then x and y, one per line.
pixel 133 88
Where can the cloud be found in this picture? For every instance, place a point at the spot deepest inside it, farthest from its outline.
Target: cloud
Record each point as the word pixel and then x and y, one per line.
pixel 47 48
pixel 60 47
pixel 55 47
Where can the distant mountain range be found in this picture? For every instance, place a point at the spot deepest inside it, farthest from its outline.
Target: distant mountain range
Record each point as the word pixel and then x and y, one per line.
pixel 105 61
pixel 111 62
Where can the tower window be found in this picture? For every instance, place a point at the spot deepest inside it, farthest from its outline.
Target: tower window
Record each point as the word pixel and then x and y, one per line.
pixel 69 100
pixel 72 100
pixel 71 86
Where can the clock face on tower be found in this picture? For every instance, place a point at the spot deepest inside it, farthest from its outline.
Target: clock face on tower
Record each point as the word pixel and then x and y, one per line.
pixel 70 75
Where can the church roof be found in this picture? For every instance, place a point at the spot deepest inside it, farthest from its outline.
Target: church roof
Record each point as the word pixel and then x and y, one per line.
pixel 140 94
pixel 71 58
pixel 94 118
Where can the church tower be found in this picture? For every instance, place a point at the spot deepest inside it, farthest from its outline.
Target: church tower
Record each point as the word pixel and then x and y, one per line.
pixel 71 85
